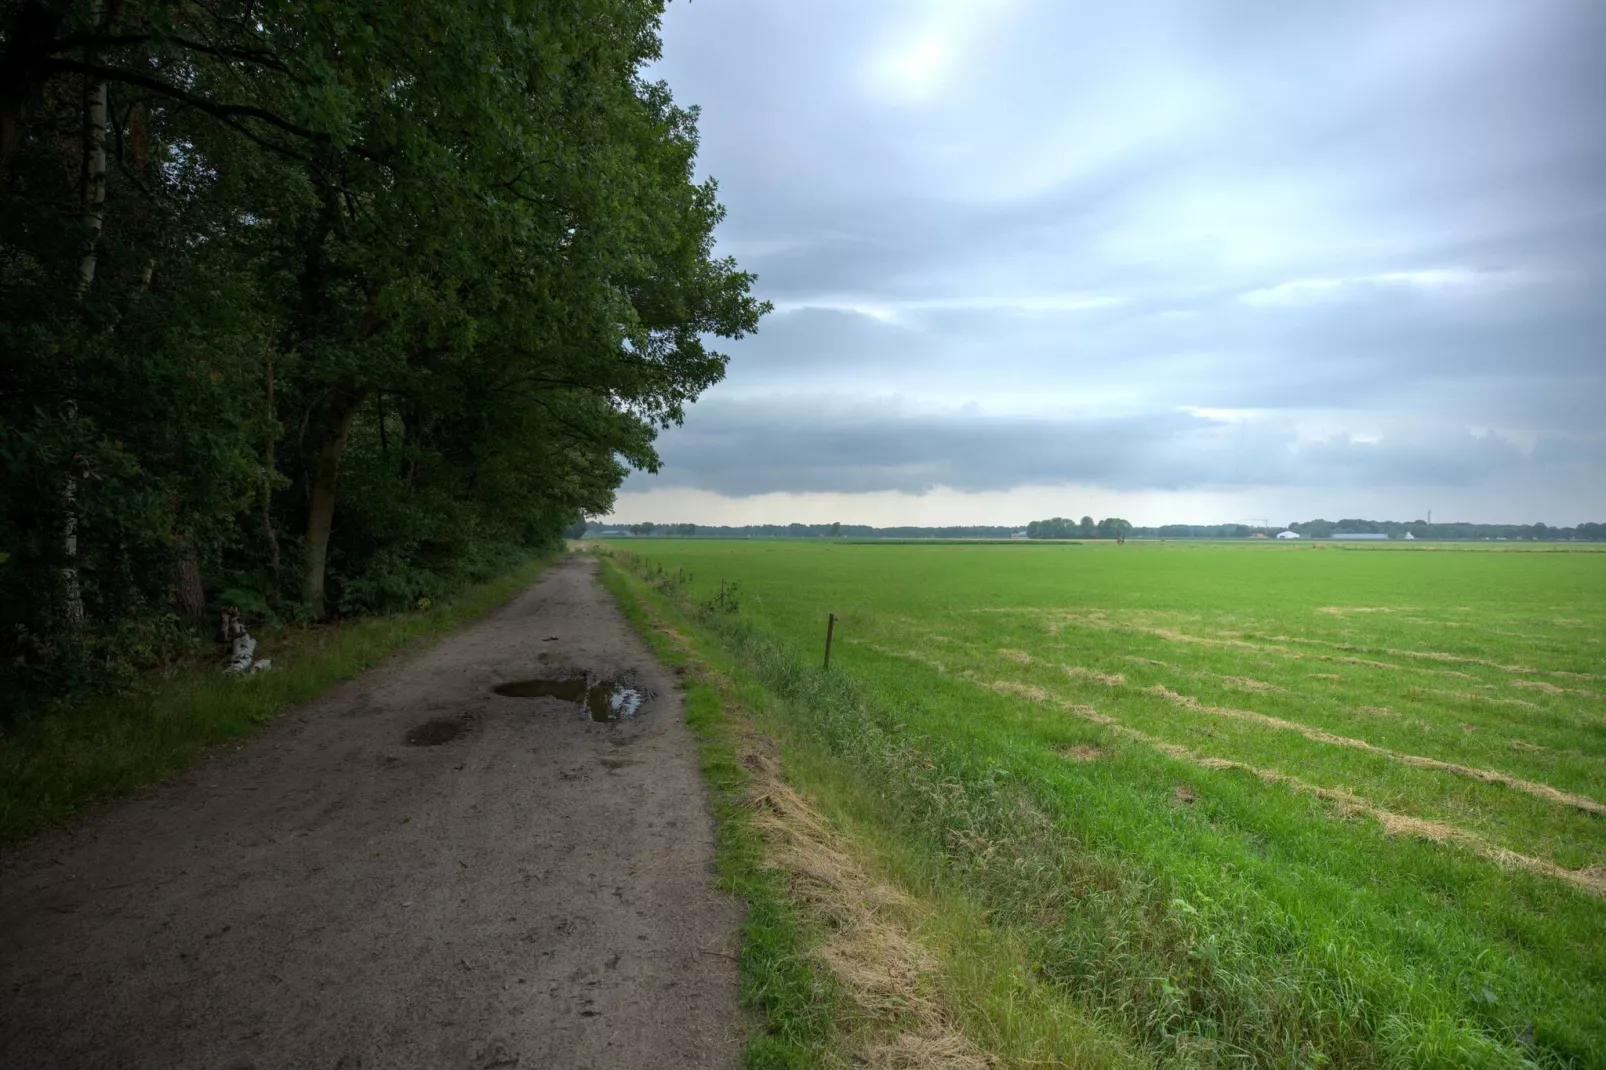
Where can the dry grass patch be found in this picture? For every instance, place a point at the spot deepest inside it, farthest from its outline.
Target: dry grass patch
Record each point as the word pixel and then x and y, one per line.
pixel 1108 679
pixel 1082 752
pixel 1474 696
pixel 1018 656
pixel 1011 687
pixel 1249 684
pixel 868 946
pixel 1341 610
pixel 1367 662
pixel 1552 689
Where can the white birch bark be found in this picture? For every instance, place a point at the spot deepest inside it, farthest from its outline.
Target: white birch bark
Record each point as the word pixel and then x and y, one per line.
pixel 94 195
pixel 94 181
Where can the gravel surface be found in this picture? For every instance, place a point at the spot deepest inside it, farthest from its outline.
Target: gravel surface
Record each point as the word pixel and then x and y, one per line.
pixel 410 872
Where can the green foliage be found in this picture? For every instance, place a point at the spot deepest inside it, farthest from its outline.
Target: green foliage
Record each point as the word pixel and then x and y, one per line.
pixel 379 298
pixel 1060 527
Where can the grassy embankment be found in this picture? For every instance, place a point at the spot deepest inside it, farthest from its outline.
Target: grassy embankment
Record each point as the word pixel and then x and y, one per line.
pixel 1270 804
pixel 106 747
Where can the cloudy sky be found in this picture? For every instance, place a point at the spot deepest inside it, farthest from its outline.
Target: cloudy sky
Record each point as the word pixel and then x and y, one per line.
pixel 1187 261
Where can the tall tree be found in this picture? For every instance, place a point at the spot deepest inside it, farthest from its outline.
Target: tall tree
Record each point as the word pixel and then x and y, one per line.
pixel 401 287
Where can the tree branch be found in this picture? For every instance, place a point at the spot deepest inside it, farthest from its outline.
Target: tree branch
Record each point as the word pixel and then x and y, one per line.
pixel 99 42
pixel 228 114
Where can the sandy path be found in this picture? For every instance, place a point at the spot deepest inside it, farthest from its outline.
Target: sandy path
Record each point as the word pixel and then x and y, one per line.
pixel 535 893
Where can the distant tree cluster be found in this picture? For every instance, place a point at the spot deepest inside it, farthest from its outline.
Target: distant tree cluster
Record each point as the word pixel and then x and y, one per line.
pixel 324 308
pixel 1421 529
pixel 649 528
pixel 810 531
pixel 1203 531
pixel 1060 527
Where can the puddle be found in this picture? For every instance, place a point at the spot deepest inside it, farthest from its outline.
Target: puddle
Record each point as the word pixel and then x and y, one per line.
pixel 604 700
pixel 434 733
pixel 567 688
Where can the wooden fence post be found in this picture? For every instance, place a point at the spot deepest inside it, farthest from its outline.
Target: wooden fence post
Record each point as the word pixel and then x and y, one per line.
pixel 830 627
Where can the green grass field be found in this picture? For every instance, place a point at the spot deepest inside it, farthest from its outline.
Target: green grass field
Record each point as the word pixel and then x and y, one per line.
pixel 1240 804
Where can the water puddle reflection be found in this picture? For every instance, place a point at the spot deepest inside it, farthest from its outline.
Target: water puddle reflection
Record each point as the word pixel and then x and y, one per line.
pixel 604 700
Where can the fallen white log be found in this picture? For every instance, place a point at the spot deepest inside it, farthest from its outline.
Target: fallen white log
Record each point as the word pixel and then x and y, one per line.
pixel 242 648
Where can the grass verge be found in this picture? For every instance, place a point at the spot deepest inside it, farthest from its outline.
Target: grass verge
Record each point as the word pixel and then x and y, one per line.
pixel 858 949
pixel 795 1002
pixel 107 747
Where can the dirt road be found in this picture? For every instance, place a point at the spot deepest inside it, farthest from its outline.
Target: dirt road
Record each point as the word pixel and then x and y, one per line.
pixel 535 892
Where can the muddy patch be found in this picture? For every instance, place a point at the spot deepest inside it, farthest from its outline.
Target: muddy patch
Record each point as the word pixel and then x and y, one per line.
pixel 604 701
pixel 438 731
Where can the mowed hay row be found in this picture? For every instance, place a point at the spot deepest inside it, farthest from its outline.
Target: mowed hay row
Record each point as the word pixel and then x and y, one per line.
pixel 1591 878
pixel 1257 857
pixel 1421 723
pixel 1436 806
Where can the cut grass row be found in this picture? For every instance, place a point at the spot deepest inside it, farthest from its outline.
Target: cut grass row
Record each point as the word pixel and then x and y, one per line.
pixel 1209 915
pixel 106 747
pixel 1515 819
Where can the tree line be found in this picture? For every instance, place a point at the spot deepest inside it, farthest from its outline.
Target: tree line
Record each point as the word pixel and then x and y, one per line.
pixel 1060 527
pixel 1421 529
pixel 1109 528
pixel 799 531
pixel 325 308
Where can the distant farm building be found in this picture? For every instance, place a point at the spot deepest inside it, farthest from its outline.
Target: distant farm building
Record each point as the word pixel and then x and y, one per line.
pixel 1288 534
pixel 1258 535
pixel 1360 536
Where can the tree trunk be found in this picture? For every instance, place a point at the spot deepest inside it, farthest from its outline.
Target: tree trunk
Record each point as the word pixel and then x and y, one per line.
pixel 94 180
pixel 321 496
pixel 72 594
pixel 94 202
pixel 189 596
pixel 269 469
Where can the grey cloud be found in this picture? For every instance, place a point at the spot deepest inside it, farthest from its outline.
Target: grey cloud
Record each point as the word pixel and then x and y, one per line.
pixel 836 445
pixel 1173 158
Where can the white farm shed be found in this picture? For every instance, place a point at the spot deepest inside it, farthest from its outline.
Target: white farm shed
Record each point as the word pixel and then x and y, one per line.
pixel 1288 534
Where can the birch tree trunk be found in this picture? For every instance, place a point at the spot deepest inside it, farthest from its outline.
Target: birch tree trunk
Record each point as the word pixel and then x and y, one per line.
pixel 269 468
pixel 94 181
pixel 94 202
